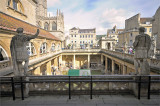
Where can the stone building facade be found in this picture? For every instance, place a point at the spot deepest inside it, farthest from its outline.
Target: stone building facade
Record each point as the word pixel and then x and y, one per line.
pixel 21 9
pixel 54 24
pixel 82 38
pixel 156 32
pixel 113 33
pixel 110 41
pixel 22 13
pixel 127 37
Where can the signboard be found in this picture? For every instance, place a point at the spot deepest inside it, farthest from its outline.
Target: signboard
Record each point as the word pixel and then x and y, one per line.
pixel 77 72
pixel 84 72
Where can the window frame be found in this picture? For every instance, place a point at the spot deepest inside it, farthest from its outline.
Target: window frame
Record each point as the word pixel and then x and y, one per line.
pixel 53 46
pixel 43 50
pixel 54 26
pixel 30 45
pixel 46 27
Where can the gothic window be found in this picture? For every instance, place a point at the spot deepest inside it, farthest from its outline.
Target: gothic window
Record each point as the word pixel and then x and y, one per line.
pixel 54 26
pixel 3 54
pixel 46 26
pixel 53 47
pixel 43 48
pixel 39 24
pixel 31 49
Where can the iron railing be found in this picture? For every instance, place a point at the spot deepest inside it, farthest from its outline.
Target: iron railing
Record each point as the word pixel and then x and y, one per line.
pixel 90 80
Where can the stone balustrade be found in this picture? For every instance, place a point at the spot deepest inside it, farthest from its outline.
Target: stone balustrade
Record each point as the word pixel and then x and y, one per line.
pixel 110 84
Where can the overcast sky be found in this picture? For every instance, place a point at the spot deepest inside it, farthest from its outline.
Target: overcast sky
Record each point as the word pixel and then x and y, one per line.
pixel 101 14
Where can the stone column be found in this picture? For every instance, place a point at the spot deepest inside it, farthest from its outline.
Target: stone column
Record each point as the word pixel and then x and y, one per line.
pixel 113 66
pixel 88 61
pixel 74 61
pixel 124 69
pixel 106 65
pixel 60 60
pixel 37 71
pixel 101 59
pixel 120 69
pixel 49 71
pixel 56 63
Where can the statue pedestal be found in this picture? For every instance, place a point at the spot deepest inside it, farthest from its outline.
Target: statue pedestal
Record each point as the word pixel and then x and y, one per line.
pixel 21 86
pixel 143 86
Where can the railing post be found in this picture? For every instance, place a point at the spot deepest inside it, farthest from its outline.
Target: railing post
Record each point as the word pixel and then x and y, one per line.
pixel 139 87
pixel 22 93
pixel 91 88
pixel 69 88
pixel 149 86
pixel 13 89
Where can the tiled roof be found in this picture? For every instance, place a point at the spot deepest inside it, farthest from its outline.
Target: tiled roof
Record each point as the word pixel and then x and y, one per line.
pixel 10 23
pixel 98 37
pixel 144 20
pixel 74 28
pixel 86 30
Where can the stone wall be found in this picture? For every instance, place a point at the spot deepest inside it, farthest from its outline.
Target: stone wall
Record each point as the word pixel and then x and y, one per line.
pixel 156 31
pixel 28 15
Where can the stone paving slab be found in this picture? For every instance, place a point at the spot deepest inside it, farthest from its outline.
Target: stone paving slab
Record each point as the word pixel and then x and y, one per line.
pixel 82 100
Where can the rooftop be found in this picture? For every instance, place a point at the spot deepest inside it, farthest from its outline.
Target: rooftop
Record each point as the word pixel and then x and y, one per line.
pixel 87 30
pixel 10 23
pixel 144 20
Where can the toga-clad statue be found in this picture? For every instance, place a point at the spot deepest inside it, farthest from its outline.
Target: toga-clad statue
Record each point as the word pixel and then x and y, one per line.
pixel 19 52
pixel 142 45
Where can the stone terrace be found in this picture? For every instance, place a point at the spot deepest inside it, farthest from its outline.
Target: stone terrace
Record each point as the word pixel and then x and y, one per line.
pixel 83 100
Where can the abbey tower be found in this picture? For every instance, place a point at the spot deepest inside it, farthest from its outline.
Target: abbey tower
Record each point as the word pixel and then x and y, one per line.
pixel 54 24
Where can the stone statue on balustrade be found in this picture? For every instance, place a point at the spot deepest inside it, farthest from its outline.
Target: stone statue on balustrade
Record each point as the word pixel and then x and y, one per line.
pixel 142 45
pixel 19 53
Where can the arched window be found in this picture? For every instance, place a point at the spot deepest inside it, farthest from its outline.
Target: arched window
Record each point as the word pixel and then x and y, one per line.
pixel 3 54
pixel 43 48
pixel 58 47
pixel 46 26
pixel 31 49
pixel 53 47
pixel 39 24
pixel 54 26
pixel 16 4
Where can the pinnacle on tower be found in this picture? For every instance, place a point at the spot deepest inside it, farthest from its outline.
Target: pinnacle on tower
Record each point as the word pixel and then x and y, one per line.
pixel 57 12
